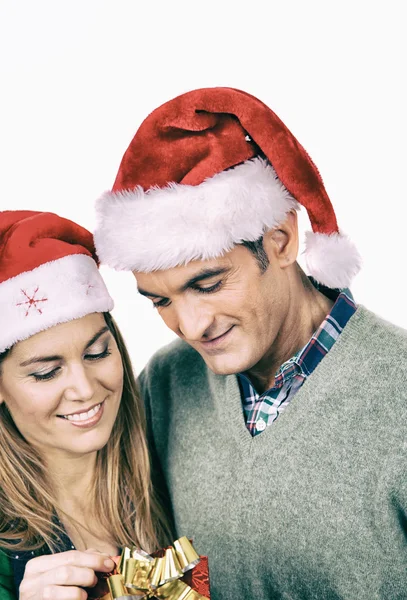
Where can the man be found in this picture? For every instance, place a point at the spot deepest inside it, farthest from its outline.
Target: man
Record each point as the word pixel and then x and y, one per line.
pixel 278 419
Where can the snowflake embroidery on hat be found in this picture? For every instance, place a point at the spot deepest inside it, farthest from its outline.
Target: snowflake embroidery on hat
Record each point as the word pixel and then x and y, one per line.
pixel 89 281
pixel 31 301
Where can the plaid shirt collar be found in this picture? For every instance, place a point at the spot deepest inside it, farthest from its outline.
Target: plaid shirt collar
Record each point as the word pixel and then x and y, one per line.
pixel 307 359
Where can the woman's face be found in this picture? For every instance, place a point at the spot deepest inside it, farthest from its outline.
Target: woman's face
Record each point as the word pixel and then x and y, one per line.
pixel 63 386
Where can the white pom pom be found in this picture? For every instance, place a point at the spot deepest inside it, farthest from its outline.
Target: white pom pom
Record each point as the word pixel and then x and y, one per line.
pixel 332 259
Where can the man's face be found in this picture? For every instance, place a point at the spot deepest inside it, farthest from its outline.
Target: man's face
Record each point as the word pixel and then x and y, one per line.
pixel 226 308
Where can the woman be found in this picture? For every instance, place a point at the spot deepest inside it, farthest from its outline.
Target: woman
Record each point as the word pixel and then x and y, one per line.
pixel 74 468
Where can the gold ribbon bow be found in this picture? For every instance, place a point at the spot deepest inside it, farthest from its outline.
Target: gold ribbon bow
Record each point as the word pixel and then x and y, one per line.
pixel 141 576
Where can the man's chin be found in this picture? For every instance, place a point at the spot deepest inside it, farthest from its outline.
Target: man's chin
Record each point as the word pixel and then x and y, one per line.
pixel 225 365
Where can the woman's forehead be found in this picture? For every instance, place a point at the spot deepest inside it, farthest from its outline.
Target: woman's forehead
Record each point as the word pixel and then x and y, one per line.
pixel 61 338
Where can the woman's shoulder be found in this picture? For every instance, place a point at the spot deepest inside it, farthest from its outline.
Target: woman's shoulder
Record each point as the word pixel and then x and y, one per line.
pixel 5 564
pixel 12 568
pixel 7 588
pixel 13 563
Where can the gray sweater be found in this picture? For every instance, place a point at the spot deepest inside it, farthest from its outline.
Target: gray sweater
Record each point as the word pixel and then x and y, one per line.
pixel 316 505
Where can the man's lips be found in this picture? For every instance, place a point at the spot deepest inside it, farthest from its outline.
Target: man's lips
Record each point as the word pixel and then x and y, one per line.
pixel 216 340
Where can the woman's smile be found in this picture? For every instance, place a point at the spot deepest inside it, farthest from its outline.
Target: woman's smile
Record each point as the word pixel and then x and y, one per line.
pixel 87 417
pixel 87 371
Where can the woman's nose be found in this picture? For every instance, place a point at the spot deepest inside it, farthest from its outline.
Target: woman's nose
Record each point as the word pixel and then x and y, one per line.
pixel 79 387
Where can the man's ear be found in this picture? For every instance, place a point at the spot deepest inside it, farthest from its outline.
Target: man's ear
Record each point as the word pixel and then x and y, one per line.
pixel 283 240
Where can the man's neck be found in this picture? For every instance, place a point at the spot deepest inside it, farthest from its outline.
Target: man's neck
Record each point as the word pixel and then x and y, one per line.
pixel 305 314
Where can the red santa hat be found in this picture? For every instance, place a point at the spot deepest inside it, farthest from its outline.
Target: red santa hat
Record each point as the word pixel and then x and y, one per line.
pixel 206 171
pixel 48 274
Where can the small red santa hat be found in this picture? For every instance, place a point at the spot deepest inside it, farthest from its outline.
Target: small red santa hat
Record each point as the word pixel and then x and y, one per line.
pixel 206 171
pixel 48 274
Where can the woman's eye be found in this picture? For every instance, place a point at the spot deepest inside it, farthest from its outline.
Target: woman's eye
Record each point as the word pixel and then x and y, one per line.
pixel 45 376
pixel 106 352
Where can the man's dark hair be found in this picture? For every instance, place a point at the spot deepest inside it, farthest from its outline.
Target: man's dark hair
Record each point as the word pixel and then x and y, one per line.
pixel 257 249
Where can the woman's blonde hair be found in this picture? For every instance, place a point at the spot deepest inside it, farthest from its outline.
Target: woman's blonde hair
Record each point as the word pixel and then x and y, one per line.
pixel 124 502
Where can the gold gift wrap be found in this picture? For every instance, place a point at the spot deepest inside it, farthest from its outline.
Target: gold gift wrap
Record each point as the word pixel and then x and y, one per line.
pixel 117 589
pixel 177 590
pixel 141 576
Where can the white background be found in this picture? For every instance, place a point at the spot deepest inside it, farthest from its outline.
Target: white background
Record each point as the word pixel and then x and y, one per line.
pixel 78 77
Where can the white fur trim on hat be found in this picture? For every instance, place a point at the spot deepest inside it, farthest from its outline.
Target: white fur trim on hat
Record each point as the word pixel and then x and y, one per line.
pixel 56 292
pixel 167 227
pixel 332 259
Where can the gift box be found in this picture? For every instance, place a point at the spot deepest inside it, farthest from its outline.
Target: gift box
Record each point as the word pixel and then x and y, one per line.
pixel 173 573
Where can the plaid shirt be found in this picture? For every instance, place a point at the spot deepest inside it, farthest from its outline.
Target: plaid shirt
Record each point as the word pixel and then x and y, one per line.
pixel 261 410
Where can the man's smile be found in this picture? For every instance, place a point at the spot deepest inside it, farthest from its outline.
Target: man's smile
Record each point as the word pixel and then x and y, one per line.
pixel 216 343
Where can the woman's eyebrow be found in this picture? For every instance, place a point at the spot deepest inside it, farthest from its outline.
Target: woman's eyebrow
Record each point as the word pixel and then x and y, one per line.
pixel 43 359
pixel 40 359
pixel 97 336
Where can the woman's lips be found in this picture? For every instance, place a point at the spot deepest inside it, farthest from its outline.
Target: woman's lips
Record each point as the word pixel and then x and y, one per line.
pixel 85 419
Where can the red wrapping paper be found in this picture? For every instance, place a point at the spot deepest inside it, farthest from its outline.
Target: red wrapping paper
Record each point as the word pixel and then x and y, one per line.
pixel 198 577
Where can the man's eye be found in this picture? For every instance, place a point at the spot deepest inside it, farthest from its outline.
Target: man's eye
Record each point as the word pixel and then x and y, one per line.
pixel 201 290
pixel 162 302
pixel 210 289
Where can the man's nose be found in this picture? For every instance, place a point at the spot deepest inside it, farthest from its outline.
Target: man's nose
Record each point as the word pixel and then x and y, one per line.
pixel 80 386
pixel 194 320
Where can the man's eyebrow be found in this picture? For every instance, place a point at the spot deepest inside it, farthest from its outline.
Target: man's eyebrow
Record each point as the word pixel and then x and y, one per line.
pixel 44 359
pixel 148 294
pixel 201 276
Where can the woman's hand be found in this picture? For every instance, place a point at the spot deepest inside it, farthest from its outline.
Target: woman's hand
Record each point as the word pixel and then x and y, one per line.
pixel 62 576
